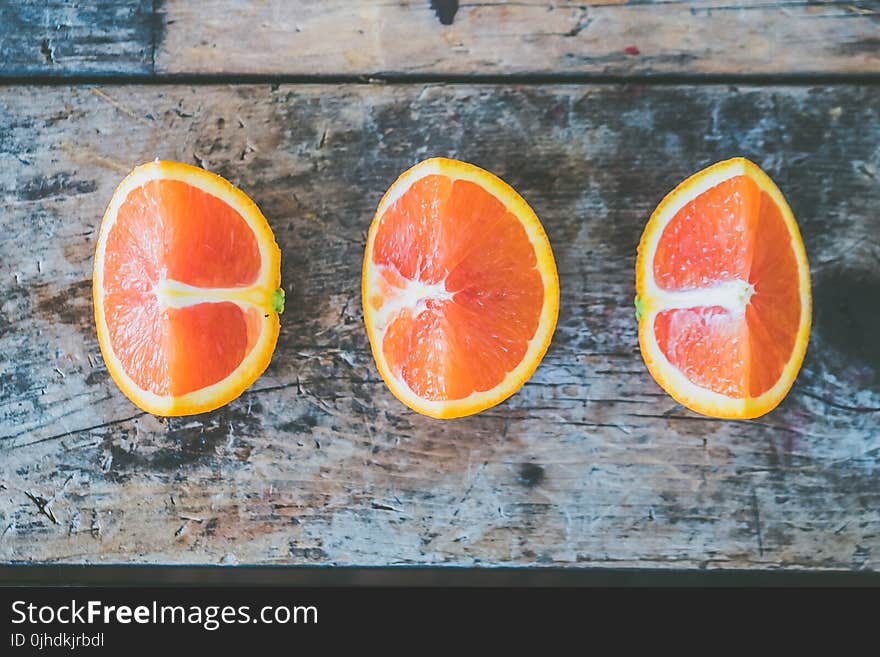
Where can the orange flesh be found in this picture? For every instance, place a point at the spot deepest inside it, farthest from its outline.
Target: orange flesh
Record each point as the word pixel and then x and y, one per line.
pixel 733 231
pixel 474 325
pixel 168 230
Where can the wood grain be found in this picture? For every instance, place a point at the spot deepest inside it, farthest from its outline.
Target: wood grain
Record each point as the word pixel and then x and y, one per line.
pixel 62 38
pixel 368 38
pixel 590 464
pixel 523 37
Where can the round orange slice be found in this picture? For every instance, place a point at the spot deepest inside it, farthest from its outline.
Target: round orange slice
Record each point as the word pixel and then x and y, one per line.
pixel 460 291
pixel 186 289
pixel 723 292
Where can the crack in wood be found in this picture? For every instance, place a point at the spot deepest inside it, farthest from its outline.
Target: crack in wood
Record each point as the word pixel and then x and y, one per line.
pixel 42 505
pixel 72 432
pixel 757 517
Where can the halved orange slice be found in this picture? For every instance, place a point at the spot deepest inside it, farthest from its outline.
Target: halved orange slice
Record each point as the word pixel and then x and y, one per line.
pixel 723 289
pixel 186 289
pixel 460 291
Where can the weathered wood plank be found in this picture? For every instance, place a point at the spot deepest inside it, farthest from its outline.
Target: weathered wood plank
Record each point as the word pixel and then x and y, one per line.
pixel 527 36
pixel 59 37
pixel 589 464
pixel 363 37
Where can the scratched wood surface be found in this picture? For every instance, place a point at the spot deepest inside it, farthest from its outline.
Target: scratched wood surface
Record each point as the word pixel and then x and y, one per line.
pixel 61 37
pixel 590 464
pixel 442 37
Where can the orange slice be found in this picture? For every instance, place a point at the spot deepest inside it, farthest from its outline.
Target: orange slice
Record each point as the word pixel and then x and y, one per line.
pixel 723 289
pixel 460 291
pixel 186 289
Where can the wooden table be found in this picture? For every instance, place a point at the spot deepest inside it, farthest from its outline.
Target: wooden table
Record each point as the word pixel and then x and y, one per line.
pixel 593 112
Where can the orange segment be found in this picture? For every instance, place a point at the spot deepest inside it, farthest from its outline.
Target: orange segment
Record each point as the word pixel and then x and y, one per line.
pixel 724 287
pixel 185 289
pixel 776 309
pixel 206 242
pixel 207 342
pixel 709 239
pixel 460 289
pixel 708 345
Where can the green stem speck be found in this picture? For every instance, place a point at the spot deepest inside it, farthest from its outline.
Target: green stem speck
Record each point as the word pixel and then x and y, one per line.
pixel 278 300
pixel 640 308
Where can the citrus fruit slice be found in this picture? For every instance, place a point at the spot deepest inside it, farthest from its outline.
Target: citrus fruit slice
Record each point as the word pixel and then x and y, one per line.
pixel 460 291
pixel 723 292
pixel 186 289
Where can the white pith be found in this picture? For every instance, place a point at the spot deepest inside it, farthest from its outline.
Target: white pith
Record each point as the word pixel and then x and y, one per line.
pixel 414 296
pixel 174 294
pixel 732 295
